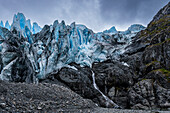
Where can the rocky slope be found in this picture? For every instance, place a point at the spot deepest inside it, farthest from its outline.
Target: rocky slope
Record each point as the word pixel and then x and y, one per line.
pixel 129 69
pixel 21 97
pixel 149 58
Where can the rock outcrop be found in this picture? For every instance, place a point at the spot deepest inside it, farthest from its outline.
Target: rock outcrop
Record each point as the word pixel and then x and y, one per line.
pixel 149 58
pixel 147 94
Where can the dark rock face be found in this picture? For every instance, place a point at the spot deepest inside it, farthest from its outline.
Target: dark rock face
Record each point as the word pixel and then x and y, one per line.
pixel 148 94
pixel 80 81
pixel 119 96
pixel 141 95
pixel 151 62
pixel 162 12
pixel 17 66
pixel 113 73
pixel 107 75
pixel 114 78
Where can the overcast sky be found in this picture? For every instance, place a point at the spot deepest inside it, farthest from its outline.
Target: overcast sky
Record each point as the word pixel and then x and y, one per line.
pixel 97 15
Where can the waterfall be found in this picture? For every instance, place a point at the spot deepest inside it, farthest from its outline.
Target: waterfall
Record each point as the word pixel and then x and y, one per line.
pixel 108 101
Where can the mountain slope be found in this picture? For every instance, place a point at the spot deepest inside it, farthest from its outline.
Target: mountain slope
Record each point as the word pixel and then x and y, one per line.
pixel 153 43
pixel 149 58
pixel 117 69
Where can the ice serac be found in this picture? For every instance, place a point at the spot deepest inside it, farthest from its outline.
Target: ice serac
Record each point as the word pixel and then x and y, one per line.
pixel 28 34
pixel 28 24
pixel 36 28
pixel 1 33
pixel 136 28
pixel 2 24
pixel 20 22
pixel 111 30
pixel 55 24
pixel 7 25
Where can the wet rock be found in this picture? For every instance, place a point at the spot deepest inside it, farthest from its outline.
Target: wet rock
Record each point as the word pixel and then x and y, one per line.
pixel 81 82
pixel 160 77
pixel 148 94
pixel 119 96
pixel 143 93
pixel 77 81
pixel 113 74
pixel 162 96
pixel 112 92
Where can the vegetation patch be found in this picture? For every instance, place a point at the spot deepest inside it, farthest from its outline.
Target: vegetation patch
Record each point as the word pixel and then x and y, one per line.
pixel 165 72
pixel 156 27
pixel 152 63
pixel 158 44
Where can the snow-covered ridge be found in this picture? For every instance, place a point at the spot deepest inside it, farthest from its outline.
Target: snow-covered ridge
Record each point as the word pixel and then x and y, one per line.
pixel 57 45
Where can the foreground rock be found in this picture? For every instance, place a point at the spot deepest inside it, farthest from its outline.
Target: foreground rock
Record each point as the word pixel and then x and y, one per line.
pixel 22 97
pixel 106 110
pixel 79 79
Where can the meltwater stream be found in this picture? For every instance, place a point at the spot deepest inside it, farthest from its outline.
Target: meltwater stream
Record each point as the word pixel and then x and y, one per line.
pixel 108 101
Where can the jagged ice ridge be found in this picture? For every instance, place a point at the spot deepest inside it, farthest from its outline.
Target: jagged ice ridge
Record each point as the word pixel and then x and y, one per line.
pixel 52 47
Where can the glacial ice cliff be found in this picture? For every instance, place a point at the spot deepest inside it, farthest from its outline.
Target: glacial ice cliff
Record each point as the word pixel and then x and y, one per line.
pixel 56 46
pixel 19 23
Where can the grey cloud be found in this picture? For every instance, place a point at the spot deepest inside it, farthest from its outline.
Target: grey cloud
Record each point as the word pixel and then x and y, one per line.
pixel 126 12
pixel 95 14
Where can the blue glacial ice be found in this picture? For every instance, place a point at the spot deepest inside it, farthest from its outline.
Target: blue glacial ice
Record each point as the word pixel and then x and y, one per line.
pixel 19 23
pixel 111 30
pixel 1 33
pixel 7 25
pixel 77 43
pixel 36 28
pixel 28 24
pixel 2 24
pixel 58 45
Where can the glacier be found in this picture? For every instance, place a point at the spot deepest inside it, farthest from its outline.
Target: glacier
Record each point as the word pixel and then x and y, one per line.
pixel 19 23
pixel 36 28
pixel 7 25
pixel 111 30
pixel 2 24
pixel 52 47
